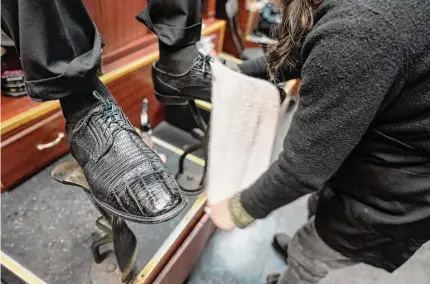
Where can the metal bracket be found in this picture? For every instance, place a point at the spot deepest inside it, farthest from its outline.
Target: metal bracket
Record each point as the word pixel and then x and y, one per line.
pixel 187 181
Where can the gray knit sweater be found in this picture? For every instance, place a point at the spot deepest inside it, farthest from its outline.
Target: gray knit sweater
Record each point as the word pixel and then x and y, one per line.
pixel 366 68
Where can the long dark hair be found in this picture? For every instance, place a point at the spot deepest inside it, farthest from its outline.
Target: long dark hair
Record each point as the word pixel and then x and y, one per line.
pixel 296 20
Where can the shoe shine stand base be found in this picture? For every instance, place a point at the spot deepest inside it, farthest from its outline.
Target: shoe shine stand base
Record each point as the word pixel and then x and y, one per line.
pixel 109 267
pixel 187 182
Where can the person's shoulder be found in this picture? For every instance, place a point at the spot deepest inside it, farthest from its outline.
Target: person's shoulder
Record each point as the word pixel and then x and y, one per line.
pixel 394 16
pixel 378 21
pixel 381 7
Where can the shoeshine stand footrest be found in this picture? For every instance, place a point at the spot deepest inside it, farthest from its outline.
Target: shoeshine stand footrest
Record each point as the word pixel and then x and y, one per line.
pixel 186 181
pixel 108 267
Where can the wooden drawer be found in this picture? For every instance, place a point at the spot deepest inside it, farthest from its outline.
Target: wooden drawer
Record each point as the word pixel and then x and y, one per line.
pixel 32 149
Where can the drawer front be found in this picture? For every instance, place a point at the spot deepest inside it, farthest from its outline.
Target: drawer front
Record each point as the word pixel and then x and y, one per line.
pixel 32 149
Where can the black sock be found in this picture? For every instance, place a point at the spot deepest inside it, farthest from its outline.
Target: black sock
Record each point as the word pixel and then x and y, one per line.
pixel 177 59
pixel 75 106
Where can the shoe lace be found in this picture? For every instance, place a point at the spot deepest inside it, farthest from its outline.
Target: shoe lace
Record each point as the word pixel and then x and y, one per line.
pixel 111 113
pixel 204 63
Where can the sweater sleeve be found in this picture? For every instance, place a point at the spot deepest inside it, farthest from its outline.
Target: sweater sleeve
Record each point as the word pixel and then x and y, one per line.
pixel 348 71
pixel 257 67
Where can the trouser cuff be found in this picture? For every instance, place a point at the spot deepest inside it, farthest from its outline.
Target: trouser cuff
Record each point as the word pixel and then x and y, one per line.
pixel 80 76
pixel 172 35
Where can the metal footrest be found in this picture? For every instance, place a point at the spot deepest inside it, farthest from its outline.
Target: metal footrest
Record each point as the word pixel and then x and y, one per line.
pixel 186 181
pixel 109 267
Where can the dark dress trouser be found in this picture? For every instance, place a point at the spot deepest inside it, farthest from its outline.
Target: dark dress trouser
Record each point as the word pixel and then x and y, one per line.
pixel 60 47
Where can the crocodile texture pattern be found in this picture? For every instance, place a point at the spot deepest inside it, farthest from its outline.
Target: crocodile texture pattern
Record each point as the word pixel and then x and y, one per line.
pixel 126 177
pixel 193 84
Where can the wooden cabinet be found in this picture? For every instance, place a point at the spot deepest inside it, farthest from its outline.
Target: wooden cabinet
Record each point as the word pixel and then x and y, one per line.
pixel 32 148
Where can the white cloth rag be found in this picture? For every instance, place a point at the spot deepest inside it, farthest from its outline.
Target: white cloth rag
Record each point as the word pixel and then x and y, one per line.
pixel 244 118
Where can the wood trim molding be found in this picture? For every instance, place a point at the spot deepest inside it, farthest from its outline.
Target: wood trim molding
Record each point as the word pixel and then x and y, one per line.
pixel 173 242
pixel 28 116
pixel 221 37
pixel 230 57
pixel 129 48
pixel 20 271
pixel 46 107
pixel 181 263
pixel 30 129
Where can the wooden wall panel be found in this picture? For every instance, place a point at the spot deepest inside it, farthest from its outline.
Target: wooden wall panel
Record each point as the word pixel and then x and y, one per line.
pixel 116 22
pixel 122 33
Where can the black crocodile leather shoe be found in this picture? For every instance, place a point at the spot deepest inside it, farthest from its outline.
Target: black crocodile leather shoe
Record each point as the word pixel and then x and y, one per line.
pixel 178 89
pixel 125 176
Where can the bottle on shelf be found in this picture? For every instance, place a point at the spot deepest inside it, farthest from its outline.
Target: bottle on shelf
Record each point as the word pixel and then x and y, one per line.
pixel 145 126
pixel 146 129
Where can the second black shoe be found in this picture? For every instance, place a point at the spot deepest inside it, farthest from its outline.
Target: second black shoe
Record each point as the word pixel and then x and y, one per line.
pixel 280 244
pixel 178 89
pixel 273 278
pixel 126 177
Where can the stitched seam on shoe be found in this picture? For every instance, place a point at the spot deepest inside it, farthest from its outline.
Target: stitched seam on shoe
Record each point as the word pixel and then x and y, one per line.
pixel 143 183
pixel 171 74
pixel 161 181
pixel 119 201
pixel 168 85
pixel 80 144
pixel 120 164
pixel 97 125
pixel 111 190
pixel 132 172
pixel 126 178
pixel 196 85
pixel 93 132
pixel 199 70
pixel 128 188
pixel 150 162
pixel 92 154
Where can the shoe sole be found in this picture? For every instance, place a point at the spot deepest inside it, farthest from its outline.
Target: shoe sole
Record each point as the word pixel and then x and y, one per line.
pixel 280 250
pixel 143 220
pixel 175 100
pixel 171 100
